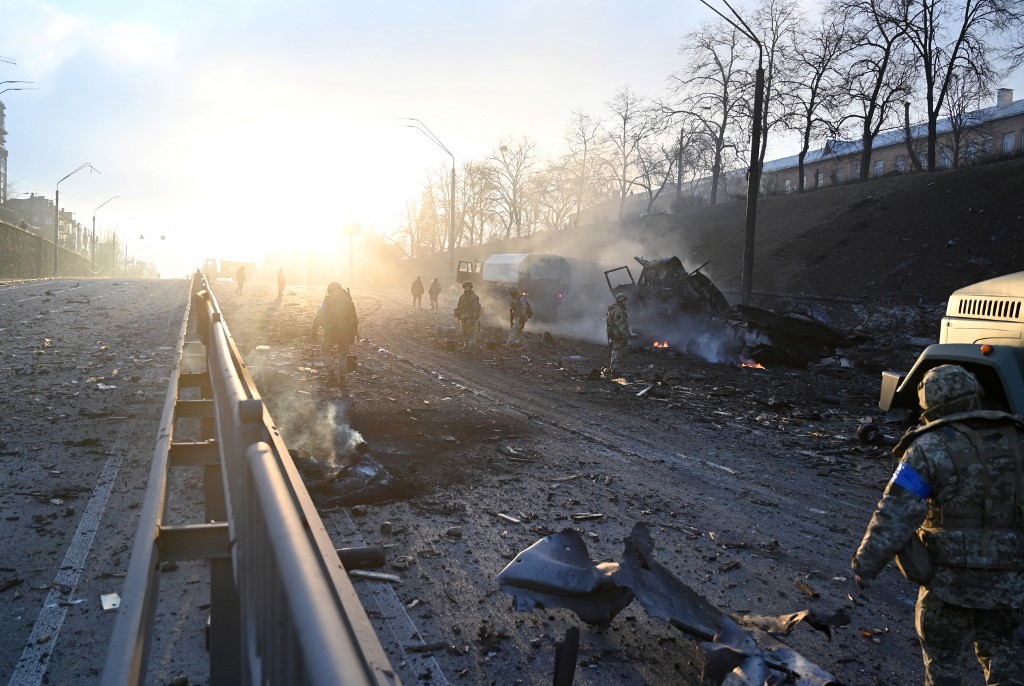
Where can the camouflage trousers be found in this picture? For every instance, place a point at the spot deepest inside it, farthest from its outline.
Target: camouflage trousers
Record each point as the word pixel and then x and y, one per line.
pixel 333 351
pixel 947 633
pixel 515 334
pixel 469 326
pixel 618 348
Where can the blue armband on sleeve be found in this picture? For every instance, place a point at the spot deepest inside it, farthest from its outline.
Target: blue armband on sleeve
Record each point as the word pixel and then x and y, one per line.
pixel 907 477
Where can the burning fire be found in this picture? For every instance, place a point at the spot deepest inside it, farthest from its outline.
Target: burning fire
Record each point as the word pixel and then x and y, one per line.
pixel 660 344
pixel 752 364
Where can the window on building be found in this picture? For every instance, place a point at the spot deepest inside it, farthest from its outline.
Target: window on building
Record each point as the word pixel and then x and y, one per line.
pixel 819 179
pixel 787 186
pixel 946 158
pixel 971 152
pixel 1009 141
pixel 986 146
pixel 879 168
pixel 900 163
pixel 856 170
pixel 840 175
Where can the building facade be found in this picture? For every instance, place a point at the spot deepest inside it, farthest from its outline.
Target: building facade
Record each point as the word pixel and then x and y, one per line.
pixel 992 132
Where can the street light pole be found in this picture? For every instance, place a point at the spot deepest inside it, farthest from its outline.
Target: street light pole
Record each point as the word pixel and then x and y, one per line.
pixel 56 214
pixel 425 130
pixel 754 171
pixel 92 255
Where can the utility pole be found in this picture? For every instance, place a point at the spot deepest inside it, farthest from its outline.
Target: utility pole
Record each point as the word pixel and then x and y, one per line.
pixel 56 213
pixel 425 130
pixel 754 171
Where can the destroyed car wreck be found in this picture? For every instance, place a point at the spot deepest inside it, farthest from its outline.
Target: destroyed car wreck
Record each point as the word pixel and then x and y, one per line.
pixel 685 311
pixel 557 571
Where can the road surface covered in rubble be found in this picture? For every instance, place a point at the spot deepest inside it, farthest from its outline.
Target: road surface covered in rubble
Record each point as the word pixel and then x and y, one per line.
pixel 752 481
pixel 83 380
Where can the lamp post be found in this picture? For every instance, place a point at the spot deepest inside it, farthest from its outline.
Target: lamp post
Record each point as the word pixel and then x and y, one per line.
pixel 142 237
pixel 754 171
pixel 56 213
pixel 425 130
pixel 17 88
pixel 92 251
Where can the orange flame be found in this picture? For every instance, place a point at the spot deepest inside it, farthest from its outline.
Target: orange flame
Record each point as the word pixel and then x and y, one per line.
pixel 752 365
pixel 660 344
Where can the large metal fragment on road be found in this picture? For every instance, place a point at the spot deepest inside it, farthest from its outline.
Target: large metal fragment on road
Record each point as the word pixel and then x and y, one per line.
pixel 557 571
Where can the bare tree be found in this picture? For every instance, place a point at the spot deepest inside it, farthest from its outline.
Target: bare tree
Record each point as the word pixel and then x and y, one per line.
pixel 655 160
pixel 814 88
pixel 474 203
pixel 967 125
pixel 631 123
pixel 776 22
pixel 583 139
pixel 555 190
pixel 709 90
pixel 511 165
pixel 879 71
pixel 953 40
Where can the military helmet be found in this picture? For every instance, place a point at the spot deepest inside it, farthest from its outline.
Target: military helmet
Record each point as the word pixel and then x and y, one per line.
pixel 467 286
pixel 333 286
pixel 621 298
pixel 947 389
pixel 512 291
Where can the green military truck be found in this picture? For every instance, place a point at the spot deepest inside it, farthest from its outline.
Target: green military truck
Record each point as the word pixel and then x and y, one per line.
pixel 983 331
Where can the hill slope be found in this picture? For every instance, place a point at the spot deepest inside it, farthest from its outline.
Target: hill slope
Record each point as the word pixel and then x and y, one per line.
pixel 905 239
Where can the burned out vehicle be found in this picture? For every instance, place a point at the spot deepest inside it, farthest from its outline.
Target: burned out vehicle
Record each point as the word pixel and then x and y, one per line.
pixel 552 283
pixel 983 331
pixel 684 310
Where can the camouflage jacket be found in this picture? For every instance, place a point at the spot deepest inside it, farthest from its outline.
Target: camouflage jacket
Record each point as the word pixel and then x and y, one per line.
pixel 618 323
pixel 468 306
pixel 958 487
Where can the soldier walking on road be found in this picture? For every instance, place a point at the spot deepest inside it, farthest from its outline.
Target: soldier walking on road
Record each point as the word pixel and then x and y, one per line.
pixel 417 293
pixel 618 334
pixel 467 311
pixel 953 516
pixel 240 280
pixel 280 282
pixel 519 311
pixel 337 316
pixel 433 292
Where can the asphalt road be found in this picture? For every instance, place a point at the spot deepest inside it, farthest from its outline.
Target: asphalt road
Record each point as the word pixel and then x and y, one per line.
pixel 752 481
pixel 754 487
pixel 83 378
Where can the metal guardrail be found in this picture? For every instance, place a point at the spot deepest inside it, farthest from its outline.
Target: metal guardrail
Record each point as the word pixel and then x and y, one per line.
pixel 282 609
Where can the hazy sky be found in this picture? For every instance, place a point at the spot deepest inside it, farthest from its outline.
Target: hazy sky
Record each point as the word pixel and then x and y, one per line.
pixel 239 127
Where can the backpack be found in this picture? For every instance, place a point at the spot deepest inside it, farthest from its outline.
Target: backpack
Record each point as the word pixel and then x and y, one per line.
pixel 340 312
pixel 529 310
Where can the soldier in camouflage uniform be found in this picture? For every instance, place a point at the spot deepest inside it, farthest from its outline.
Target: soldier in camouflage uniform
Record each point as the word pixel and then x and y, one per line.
pixel 519 311
pixel 958 491
pixel 618 334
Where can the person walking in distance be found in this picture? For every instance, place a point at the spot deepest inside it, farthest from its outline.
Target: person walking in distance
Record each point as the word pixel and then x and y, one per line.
pixel 417 293
pixel 467 311
pixel 280 282
pixel 953 517
pixel 337 317
pixel 433 292
pixel 240 280
pixel 618 334
pixel 519 311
